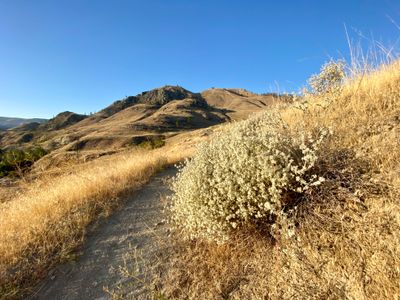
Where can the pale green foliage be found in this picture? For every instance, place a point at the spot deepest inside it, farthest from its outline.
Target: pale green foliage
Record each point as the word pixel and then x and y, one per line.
pixel 329 79
pixel 244 175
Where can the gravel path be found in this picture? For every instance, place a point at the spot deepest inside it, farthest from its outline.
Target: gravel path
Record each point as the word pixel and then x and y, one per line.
pixel 136 225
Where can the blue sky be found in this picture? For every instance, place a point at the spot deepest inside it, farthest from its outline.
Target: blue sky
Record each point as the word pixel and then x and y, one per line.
pixel 81 55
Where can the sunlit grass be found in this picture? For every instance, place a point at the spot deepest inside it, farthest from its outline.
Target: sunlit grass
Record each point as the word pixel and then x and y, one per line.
pixel 42 225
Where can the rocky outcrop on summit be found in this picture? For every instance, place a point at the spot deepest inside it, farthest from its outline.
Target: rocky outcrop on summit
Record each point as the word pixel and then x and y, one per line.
pixel 156 97
pixel 162 96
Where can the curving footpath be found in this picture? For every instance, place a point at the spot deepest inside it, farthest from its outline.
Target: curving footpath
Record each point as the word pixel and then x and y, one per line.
pixel 136 225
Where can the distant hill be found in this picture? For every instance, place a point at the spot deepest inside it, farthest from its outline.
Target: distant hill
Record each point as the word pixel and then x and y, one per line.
pixel 62 120
pixel 7 123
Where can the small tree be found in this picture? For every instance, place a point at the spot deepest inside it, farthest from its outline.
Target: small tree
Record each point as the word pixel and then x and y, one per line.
pixel 15 159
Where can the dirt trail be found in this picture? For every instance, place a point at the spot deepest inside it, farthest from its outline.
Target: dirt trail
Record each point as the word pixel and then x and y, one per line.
pixel 135 225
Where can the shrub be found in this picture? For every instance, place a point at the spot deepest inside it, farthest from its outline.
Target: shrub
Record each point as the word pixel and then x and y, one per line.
pixel 153 143
pixel 330 78
pixel 34 154
pixel 248 175
pixel 16 161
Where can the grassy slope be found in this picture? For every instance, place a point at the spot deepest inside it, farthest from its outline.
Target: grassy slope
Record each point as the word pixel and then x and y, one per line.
pixel 42 225
pixel 347 244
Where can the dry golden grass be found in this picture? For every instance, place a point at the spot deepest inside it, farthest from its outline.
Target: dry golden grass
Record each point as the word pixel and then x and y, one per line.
pixel 40 226
pixel 347 241
pixel 6 193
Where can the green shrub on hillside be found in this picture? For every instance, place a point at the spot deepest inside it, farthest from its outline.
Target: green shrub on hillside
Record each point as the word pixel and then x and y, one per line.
pixel 16 161
pixel 245 176
pixel 152 143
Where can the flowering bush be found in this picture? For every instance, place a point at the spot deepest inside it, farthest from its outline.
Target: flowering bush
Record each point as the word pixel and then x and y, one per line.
pixel 244 175
pixel 330 78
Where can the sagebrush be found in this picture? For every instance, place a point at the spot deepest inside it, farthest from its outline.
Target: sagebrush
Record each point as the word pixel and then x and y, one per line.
pixel 329 79
pixel 247 175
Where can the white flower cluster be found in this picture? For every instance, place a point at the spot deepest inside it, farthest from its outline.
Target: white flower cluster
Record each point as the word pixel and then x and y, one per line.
pixel 330 78
pixel 243 175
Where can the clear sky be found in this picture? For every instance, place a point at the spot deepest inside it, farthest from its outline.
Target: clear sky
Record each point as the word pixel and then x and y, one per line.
pixel 81 55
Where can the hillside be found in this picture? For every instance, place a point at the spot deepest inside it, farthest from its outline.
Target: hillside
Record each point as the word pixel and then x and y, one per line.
pixel 7 123
pixel 240 103
pixel 36 132
pixel 151 115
